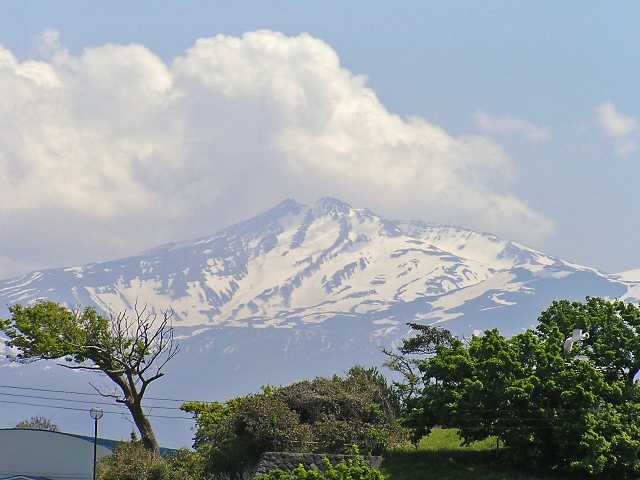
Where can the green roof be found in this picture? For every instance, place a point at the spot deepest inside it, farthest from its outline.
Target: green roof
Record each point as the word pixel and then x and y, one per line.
pixel 112 444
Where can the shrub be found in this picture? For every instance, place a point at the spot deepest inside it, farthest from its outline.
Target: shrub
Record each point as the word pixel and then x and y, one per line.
pixel 38 423
pixel 131 461
pixel 353 469
pixel 325 415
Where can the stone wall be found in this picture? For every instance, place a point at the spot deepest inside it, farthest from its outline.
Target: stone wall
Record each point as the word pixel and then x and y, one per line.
pixel 311 461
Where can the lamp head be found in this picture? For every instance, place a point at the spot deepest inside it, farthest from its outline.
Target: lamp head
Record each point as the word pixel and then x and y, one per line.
pixel 96 413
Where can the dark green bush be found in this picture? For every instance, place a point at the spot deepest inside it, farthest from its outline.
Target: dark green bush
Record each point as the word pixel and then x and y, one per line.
pixel 131 461
pixel 325 415
pixel 353 469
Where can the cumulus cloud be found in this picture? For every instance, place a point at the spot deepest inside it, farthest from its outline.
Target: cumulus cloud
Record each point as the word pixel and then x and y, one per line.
pixel 114 151
pixel 509 125
pixel 618 126
pixel 48 42
pixel 613 122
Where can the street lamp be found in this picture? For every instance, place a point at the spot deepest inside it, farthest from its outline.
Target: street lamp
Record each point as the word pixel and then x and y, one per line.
pixel 96 413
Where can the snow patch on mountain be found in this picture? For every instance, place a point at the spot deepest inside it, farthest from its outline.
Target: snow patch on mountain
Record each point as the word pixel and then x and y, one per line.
pixel 299 265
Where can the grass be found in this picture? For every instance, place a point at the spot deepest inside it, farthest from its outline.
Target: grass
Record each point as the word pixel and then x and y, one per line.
pixel 440 456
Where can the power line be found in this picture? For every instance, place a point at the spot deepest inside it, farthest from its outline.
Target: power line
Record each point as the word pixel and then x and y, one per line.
pixel 122 408
pixel 513 420
pixel 510 422
pixel 95 394
pixel 119 405
pixel 60 407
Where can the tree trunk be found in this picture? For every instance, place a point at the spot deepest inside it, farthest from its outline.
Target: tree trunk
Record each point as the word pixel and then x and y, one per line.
pixel 133 401
pixel 149 441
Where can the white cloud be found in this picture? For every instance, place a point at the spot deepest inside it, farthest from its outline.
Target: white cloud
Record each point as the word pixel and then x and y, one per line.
pixel 618 126
pixel 114 151
pixel 48 42
pixel 613 122
pixel 510 125
pixel 625 145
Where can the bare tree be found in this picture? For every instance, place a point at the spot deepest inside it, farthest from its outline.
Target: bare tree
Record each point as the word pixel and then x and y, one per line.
pixel 130 349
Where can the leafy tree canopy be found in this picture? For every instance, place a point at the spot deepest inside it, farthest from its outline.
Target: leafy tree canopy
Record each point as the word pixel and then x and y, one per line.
pixel 549 411
pixel 129 349
pixel 412 355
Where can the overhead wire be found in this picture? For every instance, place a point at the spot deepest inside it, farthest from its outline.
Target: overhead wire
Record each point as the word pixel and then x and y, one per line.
pixel 61 407
pixel 513 420
pixel 95 394
pixel 77 401
pixel 121 407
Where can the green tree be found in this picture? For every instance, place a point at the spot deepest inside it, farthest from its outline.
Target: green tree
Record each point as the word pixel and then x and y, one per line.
pixel 129 350
pixel 412 355
pixel 131 461
pixel 39 423
pixel 549 411
pixel 614 329
pixel 231 436
pixel 325 415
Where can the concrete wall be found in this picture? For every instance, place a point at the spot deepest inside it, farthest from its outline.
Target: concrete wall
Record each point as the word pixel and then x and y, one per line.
pixel 40 453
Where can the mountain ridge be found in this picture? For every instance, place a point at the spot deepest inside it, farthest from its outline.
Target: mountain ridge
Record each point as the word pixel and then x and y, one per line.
pixel 295 264
pixel 303 291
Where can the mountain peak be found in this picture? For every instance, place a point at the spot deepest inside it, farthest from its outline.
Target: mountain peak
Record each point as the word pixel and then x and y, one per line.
pixel 288 205
pixel 331 206
pixel 316 287
pixel 295 264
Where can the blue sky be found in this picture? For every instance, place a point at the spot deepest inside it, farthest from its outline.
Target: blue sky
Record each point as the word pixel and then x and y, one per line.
pixel 519 118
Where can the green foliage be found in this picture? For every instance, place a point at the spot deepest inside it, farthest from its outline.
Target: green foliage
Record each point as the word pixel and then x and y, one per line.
pixel 185 465
pixel 558 415
pixel 614 327
pixel 232 435
pixel 39 423
pixel 130 350
pixel 353 469
pixel 48 330
pixel 131 461
pixel 440 456
pixel 412 356
pixel 326 415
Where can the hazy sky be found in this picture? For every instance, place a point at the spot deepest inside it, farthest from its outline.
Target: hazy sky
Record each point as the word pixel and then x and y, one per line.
pixel 125 125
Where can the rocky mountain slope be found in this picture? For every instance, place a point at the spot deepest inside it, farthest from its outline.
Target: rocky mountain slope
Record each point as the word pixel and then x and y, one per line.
pixel 296 265
pixel 303 290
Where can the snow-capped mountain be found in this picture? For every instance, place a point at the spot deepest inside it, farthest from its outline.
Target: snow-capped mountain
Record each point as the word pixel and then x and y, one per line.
pixel 296 265
pixel 299 291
